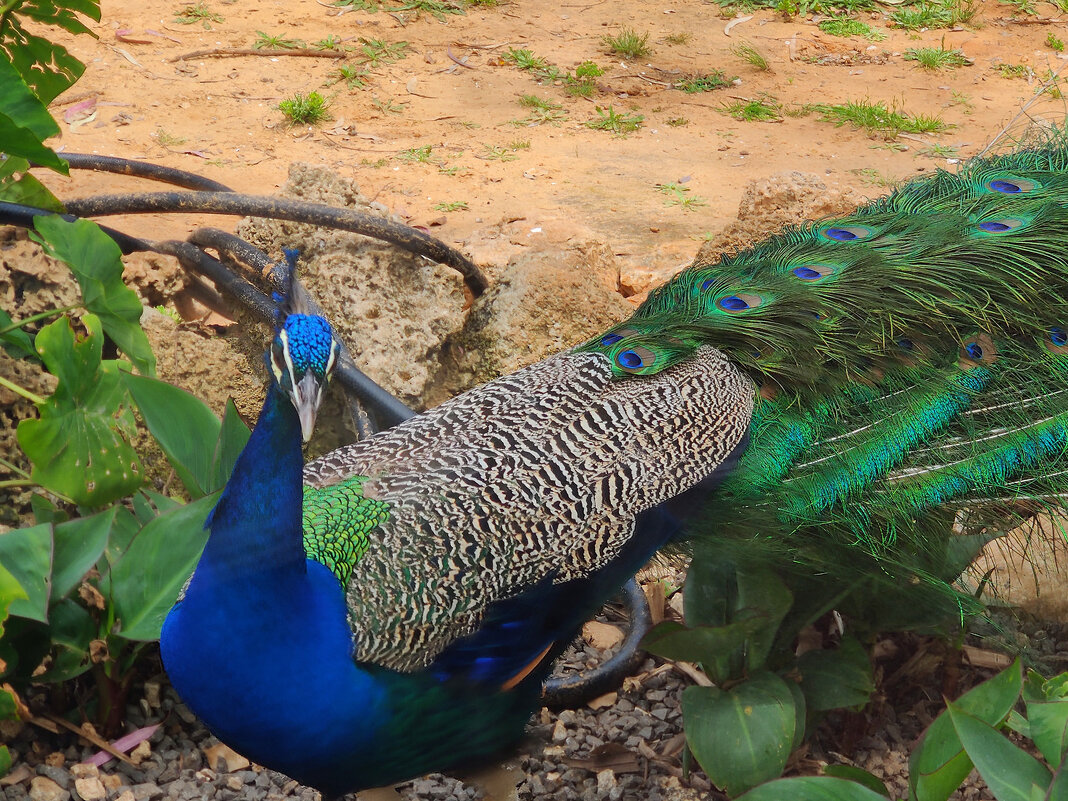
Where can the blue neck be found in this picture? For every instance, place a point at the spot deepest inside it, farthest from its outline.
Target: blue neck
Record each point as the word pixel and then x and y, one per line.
pixel 257 521
pixel 260 646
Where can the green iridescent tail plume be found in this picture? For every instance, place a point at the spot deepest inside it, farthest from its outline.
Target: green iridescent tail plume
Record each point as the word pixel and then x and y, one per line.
pixel 913 365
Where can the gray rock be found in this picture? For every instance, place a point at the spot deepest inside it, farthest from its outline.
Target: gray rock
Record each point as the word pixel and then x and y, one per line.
pixel 146 792
pixel 60 776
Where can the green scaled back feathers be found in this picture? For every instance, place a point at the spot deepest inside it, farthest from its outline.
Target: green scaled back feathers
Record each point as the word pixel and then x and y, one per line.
pixel 913 365
pixel 338 520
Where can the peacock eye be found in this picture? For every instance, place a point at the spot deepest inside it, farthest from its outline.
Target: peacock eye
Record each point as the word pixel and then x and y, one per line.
pixel 610 339
pixel 1000 226
pixel 1012 186
pixel 812 272
pixel 635 358
pixel 1058 336
pixel 847 233
pixel 734 304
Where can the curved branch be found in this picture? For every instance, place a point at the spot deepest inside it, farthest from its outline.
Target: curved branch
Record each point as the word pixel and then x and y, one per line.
pixel 403 236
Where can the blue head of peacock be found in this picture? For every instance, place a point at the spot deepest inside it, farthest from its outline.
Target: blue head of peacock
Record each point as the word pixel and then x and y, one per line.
pixel 304 352
pixel 302 358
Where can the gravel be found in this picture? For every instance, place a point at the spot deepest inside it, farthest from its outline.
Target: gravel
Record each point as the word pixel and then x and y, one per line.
pixel 623 746
pixel 627 749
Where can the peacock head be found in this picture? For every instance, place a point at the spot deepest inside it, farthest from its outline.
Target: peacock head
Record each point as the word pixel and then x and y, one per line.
pixel 304 351
pixel 302 357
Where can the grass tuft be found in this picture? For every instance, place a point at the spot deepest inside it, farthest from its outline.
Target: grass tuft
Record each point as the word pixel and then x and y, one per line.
pixel 305 109
pixel 628 43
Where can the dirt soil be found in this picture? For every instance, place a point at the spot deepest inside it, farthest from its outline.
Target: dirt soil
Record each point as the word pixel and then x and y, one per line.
pixel 144 95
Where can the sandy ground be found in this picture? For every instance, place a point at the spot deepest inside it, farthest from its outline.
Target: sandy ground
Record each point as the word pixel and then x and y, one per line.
pixel 142 96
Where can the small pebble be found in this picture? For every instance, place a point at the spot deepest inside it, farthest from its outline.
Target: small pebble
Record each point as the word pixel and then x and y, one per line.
pixel 44 789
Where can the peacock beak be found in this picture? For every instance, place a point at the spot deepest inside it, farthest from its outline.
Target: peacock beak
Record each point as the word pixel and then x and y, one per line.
pixel 307 395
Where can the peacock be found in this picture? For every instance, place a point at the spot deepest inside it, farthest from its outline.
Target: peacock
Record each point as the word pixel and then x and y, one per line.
pixel 393 607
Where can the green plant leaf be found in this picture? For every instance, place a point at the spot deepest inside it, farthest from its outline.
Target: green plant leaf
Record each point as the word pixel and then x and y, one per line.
pixel 233 436
pixel 1046 702
pixel 1008 771
pixel 1048 724
pixel 10 591
pixel 123 530
pixel 711 589
pixel 836 679
pixel 800 713
pixel 71 629
pixel 711 646
pixel 46 67
pixel 23 142
pixel 23 108
pixel 96 262
pixel 850 773
pixel 77 545
pixel 741 736
pixel 80 445
pixel 26 553
pixel 761 594
pixel 939 764
pixel 16 342
pixel 812 788
pixel 202 450
pixel 18 186
pixel 146 581
pixel 1058 788
pixel 184 427
pixel 5 760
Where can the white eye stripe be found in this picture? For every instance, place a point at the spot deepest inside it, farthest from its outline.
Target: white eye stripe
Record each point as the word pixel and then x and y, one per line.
pixel 334 348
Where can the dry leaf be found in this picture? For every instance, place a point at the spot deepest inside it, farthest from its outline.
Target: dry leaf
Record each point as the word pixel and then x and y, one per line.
pixel 601 636
pixel 602 701
pixel 234 761
pixel 16 776
pixel 140 753
pixel 91 595
pixel 656 598
pixel 22 712
pixel 977 657
pixel 98 651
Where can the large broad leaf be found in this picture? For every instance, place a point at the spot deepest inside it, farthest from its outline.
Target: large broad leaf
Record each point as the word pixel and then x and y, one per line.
pixel 123 530
pixel 741 736
pixel 18 186
pixel 72 630
pixel 712 647
pixel 938 765
pixel 147 579
pixel 46 67
pixel 1009 772
pixel 200 448
pixel 811 788
pixel 836 679
pixel 23 108
pixel 19 141
pixel 80 445
pixel 96 262
pixel 10 591
pixel 1058 788
pixel 26 554
pixel 761 594
pixel 233 436
pixel 15 341
pixel 711 591
pixel 1047 715
pixel 78 544
pixel 854 774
